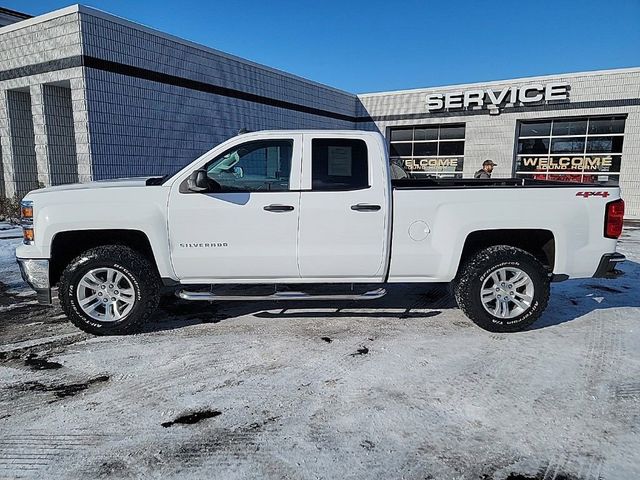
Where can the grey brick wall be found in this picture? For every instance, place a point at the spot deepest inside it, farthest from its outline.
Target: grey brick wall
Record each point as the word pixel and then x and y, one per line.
pixel 23 145
pixel 118 40
pixel 58 113
pixel 53 39
pixel 3 192
pixel 144 127
pixel 139 127
pixel 35 53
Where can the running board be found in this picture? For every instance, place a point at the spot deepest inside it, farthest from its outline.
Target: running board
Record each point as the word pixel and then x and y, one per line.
pixel 210 296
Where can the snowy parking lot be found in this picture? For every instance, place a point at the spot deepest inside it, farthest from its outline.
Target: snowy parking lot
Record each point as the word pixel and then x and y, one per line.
pixel 401 387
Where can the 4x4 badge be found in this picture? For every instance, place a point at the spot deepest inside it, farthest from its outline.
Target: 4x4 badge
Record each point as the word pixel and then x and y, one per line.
pixel 592 194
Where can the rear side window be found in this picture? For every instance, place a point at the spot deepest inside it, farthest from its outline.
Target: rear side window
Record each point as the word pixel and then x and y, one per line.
pixel 339 164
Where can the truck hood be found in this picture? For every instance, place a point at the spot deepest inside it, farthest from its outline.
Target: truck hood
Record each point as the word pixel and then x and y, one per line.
pixel 119 182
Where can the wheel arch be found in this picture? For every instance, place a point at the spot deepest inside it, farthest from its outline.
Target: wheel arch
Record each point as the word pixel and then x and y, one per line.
pixel 538 242
pixel 67 245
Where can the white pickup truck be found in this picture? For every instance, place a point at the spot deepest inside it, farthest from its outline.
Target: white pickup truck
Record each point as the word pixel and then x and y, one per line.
pixel 284 215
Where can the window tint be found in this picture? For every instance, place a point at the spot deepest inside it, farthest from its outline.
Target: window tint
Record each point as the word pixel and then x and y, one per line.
pixel 339 164
pixel 615 164
pixel 449 132
pixel 425 149
pixel 259 166
pixel 606 125
pixel 533 145
pixel 567 145
pixel 535 129
pixel 401 149
pixel 428 133
pixel 401 134
pixel 569 127
pixel 604 145
pixel 451 148
pixel 578 149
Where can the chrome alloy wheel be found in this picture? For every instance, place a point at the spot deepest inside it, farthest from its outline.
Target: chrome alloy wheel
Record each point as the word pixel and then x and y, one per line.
pixel 106 294
pixel 507 292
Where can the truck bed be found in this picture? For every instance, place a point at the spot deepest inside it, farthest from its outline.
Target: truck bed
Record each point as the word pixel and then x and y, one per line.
pixel 435 183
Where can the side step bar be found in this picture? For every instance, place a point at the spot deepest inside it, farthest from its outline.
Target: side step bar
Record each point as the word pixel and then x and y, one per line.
pixel 210 296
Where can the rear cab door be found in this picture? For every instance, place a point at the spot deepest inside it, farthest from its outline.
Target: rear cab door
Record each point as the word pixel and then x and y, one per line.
pixel 345 208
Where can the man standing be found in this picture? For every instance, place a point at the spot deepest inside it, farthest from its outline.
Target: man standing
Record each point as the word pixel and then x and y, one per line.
pixel 485 171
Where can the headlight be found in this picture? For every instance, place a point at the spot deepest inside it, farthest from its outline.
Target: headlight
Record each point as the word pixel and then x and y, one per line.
pixel 26 214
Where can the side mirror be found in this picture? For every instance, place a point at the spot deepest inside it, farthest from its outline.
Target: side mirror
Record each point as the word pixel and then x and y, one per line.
pixel 198 181
pixel 238 172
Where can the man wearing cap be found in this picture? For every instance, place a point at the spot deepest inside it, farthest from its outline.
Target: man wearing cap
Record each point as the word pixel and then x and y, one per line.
pixel 485 171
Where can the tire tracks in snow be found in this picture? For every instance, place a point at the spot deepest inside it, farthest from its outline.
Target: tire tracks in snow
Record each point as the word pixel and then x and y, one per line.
pixel 582 446
pixel 29 453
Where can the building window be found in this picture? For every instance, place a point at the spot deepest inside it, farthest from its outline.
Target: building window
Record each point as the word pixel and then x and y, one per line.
pixel 585 150
pixel 428 150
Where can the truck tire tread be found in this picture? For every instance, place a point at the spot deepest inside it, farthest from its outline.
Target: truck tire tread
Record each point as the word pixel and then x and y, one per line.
pixel 466 287
pixel 143 274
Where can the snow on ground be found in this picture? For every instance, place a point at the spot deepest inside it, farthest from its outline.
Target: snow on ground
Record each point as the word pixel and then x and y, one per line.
pixel 402 387
pixel 9 230
pixel 10 238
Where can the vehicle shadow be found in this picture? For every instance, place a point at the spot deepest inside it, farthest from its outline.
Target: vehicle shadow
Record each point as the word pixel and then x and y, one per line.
pixel 569 301
pixel 417 301
pixel 573 299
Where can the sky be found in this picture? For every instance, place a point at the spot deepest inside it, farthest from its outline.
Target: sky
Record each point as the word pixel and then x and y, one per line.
pixel 366 46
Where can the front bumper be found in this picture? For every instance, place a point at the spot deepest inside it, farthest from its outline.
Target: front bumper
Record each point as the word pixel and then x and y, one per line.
pixel 608 264
pixel 35 272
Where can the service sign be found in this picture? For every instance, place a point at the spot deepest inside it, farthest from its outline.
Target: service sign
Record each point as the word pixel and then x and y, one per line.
pixel 493 100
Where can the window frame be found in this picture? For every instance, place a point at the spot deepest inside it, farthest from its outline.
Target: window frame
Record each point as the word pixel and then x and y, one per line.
pixel 438 141
pixel 294 174
pixel 550 137
pixel 367 151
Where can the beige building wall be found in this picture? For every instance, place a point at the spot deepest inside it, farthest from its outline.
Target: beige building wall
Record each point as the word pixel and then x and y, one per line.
pixel 613 92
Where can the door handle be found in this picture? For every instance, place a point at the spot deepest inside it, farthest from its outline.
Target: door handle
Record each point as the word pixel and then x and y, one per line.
pixel 365 207
pixel 278 208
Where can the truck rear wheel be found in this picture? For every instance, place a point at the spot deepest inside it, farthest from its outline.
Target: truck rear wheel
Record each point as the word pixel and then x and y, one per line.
pixel 109 290
pixel 502 289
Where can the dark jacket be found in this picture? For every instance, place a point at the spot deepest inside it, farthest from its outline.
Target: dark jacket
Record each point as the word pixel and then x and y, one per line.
pixel 482 173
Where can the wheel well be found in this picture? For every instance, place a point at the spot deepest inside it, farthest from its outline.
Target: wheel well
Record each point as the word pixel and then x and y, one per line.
pixel 68 245
pixel 539 243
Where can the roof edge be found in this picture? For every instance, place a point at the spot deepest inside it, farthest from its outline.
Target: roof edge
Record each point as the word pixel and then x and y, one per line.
pixel 501 82
pixel 15 13
pixel 39 19
pixel 95 12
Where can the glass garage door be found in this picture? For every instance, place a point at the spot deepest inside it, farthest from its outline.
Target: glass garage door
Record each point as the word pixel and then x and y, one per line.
pixel 585 150
pixel 428 150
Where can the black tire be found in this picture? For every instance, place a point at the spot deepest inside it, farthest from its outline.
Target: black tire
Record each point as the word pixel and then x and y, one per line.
pixel 139 271
pixel 467 287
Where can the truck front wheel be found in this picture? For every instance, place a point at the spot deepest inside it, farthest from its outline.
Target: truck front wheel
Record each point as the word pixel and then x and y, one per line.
pixel 109 290
pixel 502 289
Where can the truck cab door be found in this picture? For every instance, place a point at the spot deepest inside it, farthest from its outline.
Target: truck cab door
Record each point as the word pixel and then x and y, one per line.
pixel 344 209
pixel 244 229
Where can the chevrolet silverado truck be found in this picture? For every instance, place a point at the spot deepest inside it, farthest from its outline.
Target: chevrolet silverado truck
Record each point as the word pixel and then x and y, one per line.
pixel 311 215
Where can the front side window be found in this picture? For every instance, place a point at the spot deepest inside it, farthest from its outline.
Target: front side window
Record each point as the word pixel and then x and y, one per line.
pixel 339 164
pixel 260 166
